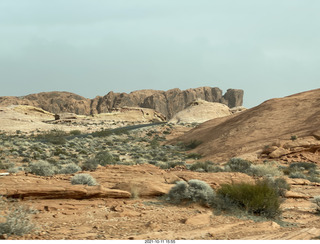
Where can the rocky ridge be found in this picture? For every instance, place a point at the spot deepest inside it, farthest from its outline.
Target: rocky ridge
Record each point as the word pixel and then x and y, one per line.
pixel 166 102
pixel 283 128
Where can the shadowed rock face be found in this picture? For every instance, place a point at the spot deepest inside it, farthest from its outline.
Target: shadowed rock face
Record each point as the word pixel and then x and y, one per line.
pixel 166 102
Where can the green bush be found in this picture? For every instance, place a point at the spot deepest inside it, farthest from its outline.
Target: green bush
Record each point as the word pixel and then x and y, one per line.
pixel 75 132
pixel 17 221
pixel 162 165
pixel 57 137
pixel 313 178
pixel 83 179
pixel 258 199
pixel 238 165
pixel 191 191
pixel 303 165
pixel 90 164
pixel 297 174
pixel 154 143
pixel 70 168
pixel 103 158
pixel 42 168
pixel 6 164
pixel 279 184
pixel 14 170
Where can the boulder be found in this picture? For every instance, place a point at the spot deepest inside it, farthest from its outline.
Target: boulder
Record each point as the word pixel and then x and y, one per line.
pixel 200 111
pixel 279 152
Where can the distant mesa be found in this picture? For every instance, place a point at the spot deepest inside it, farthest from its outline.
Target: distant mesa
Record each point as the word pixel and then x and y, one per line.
pixel 168 103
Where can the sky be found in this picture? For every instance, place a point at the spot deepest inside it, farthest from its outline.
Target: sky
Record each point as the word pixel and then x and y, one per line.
pixel 268 48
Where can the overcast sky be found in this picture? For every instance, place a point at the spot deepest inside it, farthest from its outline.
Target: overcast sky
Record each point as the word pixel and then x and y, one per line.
pixel 268 48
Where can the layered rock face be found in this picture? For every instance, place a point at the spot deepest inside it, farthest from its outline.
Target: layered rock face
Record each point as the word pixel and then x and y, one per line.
pixel 166 102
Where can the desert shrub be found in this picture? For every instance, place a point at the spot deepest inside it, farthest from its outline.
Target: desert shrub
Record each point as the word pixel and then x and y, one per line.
pixel 90 164
pixel 103 158
pixel 191 191
pixel 316 200
pixel 75 132
pixel 313 178
pixel 264 169
pixel 70 168
pixel 174 164
pixel 109 132
pixel 206 166
pixel 162 165
pixel 238 165
pixel 60 151
pixel 56 137
pixel 83 179
pixel 14 170
pixel 279 184
pixel 258 199
pixel 16 219
pixel 194 155
pixel 303 165
pixel 6 164
pixel 102 133
pixel 293 137
pixel 297 174
pixel 42 168
pixel 154 143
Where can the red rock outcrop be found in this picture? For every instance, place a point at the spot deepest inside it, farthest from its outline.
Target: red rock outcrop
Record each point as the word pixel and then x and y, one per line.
pixel 166 102
pixel 249 133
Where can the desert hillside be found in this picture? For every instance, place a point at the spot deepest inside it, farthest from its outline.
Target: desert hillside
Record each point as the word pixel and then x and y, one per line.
pixel 166 102
pixel 120 175
pixel 267 126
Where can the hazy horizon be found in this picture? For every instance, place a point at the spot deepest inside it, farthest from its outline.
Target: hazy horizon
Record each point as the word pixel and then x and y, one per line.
pixel 268 48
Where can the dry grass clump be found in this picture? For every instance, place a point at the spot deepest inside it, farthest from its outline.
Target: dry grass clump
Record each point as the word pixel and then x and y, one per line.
pixel 14 219
pixel 83 179
pixel 70 168
pixel 269 168
pixel 42 168
pixel 238 165
pixel 191 191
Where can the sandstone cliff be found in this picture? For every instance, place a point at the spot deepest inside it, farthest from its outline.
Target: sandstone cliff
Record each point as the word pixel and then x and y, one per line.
pixel 166 102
